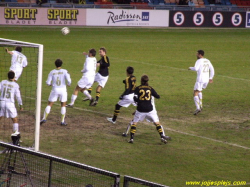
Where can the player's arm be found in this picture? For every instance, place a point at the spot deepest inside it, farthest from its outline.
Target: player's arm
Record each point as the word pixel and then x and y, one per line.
pixel 211 74
pixel 48 82
pixel 7 50
pixel 68 78
pixel 25 62
pixel 196 66
pixel 19 98
pixel 155 94
pixel 136 99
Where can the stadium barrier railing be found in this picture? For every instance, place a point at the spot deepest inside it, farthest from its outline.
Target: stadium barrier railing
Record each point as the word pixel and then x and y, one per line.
pixel 139 182
pixel 24 167
pixel 21 166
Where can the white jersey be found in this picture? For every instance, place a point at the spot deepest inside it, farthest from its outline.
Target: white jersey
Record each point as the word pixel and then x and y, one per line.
pixel 89 66
pixel 205 70
pixel 18 61
pixel 57 79
pixel 9 91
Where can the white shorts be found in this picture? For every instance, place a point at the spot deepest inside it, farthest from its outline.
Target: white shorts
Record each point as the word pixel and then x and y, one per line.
pixel 17 73
pixel 151 116
pixel 86 82
pixel 127 100
pixel 7 109
pixel 101 79
pixel 200 86
pixel 60 94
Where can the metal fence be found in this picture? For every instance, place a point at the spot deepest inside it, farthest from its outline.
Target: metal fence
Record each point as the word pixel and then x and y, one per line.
pixel 24 167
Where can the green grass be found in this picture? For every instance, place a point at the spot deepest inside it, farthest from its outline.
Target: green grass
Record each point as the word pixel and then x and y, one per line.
pixel 201 148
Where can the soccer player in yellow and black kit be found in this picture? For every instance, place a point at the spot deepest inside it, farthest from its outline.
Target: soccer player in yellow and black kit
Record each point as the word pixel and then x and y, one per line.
pixel 143 97
pixel 102 75
pixel 127 98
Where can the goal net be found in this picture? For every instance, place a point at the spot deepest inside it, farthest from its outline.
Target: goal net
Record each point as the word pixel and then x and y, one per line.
pixel 30 83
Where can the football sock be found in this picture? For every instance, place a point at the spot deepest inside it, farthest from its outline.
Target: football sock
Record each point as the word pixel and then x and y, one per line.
pixel 163 132
pixel 128 127
pixel 197 102
pixel 159 129
pixel 116 112
pixel 98 94
pixel 87 94
pixel 89 90
pixel 15 127
pixel 200 97
pixel 73 98
pixel 63 112
pixel 132 131
pixel 46 112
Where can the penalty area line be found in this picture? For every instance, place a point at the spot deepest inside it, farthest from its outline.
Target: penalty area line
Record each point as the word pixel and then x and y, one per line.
pixel 211 139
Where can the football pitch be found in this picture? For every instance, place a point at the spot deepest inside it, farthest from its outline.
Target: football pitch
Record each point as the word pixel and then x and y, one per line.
pixel 212 146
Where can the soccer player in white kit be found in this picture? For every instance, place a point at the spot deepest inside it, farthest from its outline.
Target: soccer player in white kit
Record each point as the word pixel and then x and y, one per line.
pixel 87 79
pixel 58 79
pixel 18 61
pixel 205 74
pixel 101 76
pixel 9 92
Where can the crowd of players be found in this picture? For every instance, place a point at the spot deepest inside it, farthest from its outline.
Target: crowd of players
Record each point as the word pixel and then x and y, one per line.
pixel 141 96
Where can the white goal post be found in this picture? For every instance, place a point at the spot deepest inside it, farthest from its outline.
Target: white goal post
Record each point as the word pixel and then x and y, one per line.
pixel 39 66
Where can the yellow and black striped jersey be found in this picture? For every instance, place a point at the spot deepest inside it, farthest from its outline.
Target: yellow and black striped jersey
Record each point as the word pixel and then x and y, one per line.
pixel 143 97
pixel 104 66
pixel 129 85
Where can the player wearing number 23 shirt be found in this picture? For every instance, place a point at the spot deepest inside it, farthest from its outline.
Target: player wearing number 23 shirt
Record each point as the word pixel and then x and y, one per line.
pixel 205 74
pixel 143 96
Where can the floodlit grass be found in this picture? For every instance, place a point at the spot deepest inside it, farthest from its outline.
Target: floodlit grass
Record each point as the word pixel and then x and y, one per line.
pixel 215 145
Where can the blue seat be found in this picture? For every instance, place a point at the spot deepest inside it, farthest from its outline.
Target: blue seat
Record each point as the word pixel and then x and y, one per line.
pixel 62 6
pixel 18 5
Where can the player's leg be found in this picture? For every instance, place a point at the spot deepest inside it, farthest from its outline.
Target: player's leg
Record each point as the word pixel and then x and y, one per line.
pixel 17 74
pixel 15 136
pixel 200 99
pixel 98 94
pixel 101 80
pixel 116 113
pixel 125 134
pixel 161 132
pixel 89 91
pixel 63 113
pixel 88 96
pixel 74 96
pixel 47 110
pixel 197 89
pixel 155 119
pixel 200 95
pixel 132 132
pixel 63 99
pixel 15 125
pixel 138 117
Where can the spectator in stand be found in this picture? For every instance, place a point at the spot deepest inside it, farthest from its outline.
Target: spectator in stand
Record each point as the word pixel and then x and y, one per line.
pixel 183 2
pixel 190 3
